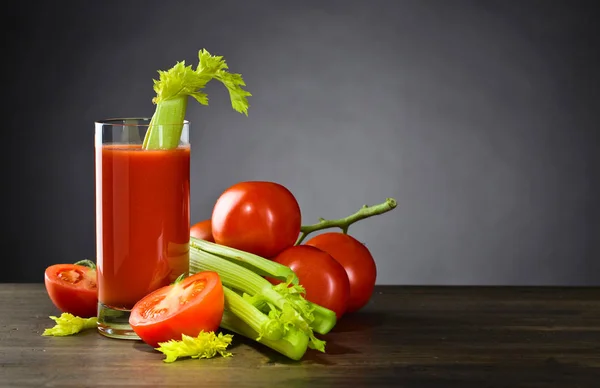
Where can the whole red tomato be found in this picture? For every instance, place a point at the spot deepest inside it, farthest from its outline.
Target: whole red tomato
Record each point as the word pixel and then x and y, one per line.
pixel 324 279
pixel 257 217
pixel 72 289
pixel 202 230
pixel 356 260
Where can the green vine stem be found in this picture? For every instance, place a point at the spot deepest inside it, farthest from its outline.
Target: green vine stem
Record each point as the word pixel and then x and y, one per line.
pixel 344 223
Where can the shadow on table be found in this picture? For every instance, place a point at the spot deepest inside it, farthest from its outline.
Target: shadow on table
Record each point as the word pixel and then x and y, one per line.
pixel 354 322
pixel 360 321
pixel 310 357
pixel 143 347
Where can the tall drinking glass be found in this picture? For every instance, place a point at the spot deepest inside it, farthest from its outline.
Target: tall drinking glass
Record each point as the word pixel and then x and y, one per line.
pixel 142 218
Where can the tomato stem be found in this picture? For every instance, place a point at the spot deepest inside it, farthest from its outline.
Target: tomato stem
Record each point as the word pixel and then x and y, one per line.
pixel 344 223
pixel 86 263
pixel 179 278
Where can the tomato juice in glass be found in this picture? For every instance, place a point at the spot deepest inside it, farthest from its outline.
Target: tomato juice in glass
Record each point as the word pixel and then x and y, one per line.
pixel 142 219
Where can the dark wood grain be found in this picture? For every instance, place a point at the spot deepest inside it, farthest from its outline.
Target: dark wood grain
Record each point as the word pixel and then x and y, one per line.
pixel 405 337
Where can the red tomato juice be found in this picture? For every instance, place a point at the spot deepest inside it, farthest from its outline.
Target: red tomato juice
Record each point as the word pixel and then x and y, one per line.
pixel 143 221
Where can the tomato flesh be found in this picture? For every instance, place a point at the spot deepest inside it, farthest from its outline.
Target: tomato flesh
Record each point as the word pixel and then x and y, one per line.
pixel 324 279
pixel 71 276
pixel 356 260
pixel 193 305
pixel 72 289
pixel 257 217
pixel 202 230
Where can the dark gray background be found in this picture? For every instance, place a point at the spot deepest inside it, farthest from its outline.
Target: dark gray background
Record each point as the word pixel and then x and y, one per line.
pixel 479 117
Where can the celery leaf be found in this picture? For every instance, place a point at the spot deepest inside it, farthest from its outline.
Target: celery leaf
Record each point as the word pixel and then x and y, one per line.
pixel 295 295
pixel 182 80
pixel 205 345
pixel 68 324
pixel 295 313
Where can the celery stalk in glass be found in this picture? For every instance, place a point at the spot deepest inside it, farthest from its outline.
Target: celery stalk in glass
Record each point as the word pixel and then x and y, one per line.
pixel 173 88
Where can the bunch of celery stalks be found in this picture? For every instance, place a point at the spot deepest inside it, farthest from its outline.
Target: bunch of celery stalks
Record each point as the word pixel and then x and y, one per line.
pixel 277 316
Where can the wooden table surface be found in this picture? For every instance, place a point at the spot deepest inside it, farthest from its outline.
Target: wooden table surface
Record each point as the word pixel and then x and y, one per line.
pixel 405 337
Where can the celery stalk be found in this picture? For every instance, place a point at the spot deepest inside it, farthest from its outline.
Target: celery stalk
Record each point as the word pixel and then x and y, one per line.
pixel 232 275
pixel 324 319
pixel 256 264
pixel 208 256
pixel 264 326
pixel 293 345
pixel 236 276
pixel 166 124
pixel 173 88
pixel 283 301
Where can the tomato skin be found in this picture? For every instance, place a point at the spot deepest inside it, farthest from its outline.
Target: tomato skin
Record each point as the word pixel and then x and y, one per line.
pixel 356 260
pixel 202 230
pixel 195 304
pixel 257 217
pixel 324 279
pixel 72 289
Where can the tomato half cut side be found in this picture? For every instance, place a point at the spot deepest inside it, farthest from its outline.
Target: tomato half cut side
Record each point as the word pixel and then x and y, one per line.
pixel 72 288
pixel 193 305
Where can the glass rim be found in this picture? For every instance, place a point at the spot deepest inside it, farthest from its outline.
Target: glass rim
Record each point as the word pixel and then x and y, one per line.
pixel 142 121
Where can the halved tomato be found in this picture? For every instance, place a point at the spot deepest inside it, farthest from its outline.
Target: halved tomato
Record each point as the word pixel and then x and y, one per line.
pixel 72 288
pixel 187 307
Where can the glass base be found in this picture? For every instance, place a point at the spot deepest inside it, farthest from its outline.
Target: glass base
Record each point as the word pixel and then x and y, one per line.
pixel 114 323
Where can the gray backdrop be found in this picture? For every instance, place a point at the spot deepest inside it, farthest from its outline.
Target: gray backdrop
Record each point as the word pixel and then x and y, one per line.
pixel 479 117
